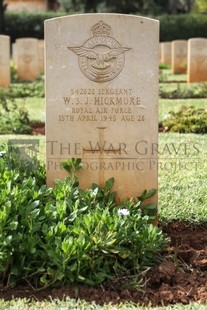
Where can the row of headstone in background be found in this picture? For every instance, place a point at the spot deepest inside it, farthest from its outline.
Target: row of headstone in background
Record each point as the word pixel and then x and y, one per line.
pixel 27 56
pixel 186 56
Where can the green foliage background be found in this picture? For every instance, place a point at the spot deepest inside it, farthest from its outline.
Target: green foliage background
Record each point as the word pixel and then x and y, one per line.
pixel 171 26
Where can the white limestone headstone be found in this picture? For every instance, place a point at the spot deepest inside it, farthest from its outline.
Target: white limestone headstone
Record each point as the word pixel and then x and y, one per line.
pixel 14 54
pixel 166 53
pixel 179 56
pixel 27 59
pixel 197 60
pixel 41 50
pixel 102 99
pixel 5 76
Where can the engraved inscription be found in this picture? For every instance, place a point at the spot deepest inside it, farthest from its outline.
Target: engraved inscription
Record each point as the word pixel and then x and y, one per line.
pixel 101 58
pixel 102 105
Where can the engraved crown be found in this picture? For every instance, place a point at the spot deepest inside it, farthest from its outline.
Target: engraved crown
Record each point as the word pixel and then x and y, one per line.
pixel 101 29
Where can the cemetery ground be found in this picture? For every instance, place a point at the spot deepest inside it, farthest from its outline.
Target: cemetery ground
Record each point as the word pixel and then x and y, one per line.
pixel 180 278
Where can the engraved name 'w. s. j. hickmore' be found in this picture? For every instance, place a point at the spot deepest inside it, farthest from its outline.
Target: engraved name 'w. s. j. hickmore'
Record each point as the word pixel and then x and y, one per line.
pixel 101 57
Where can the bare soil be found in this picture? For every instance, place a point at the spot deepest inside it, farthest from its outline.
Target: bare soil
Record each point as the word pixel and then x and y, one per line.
pixel 38 128
pixel 180 278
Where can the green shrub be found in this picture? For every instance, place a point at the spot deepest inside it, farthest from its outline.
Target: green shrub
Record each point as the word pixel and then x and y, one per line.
pixel 185 26
pixel 69 235
pixel 186 92
pixel 187 120
pixel 13 118
pixel 164 66
pixel 29 24
pixel 33 89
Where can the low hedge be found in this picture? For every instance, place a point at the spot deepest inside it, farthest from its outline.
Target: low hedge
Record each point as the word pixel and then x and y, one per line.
pixel 23 25
pixel 172 27
pixel 186 26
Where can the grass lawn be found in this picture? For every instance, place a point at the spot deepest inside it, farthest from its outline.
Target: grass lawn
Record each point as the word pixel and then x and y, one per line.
pixel 71 304
pixel 182 177
pixel 167 76
pixel 35 106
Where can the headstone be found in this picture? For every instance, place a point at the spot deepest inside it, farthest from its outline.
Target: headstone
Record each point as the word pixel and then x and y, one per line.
pixel 197 60
pixel 14 54
pixel 179 56
pixel 28 59
pixel 41 50
pixel 166 54
pixel 27 6
pixel 4 61
pixel 102 99
pixel 160 53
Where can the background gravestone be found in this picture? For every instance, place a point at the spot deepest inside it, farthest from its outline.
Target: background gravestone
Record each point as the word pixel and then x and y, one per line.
pixel 166 53
pixel 4 61
pixel 197 60
pixel 14 54
pixel 41 51
pixel 102 98
pixel 179 56
pixel 27 59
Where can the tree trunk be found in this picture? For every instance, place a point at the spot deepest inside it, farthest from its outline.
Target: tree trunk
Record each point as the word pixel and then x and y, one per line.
pixel 91 6
pixel 53 5
pixel 189 5
pixel 2 17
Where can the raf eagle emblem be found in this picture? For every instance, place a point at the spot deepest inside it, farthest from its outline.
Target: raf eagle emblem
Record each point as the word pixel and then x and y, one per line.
pixel 101 58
